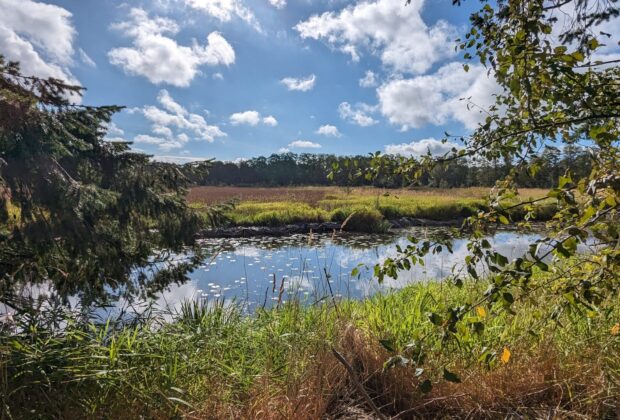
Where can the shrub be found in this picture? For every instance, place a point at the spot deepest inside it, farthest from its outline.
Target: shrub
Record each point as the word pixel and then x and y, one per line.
pixel 366 219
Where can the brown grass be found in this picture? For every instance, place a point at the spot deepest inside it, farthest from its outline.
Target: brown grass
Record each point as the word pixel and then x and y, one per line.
pixel 534 386
pixel 312 195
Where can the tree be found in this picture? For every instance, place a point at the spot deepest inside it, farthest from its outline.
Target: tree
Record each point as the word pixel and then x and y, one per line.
pixel 555 89
pixel 81 216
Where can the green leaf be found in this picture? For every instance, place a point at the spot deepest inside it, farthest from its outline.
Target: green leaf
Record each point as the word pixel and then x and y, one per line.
pixel 387 344
pixel 435 318
pixel 449 376
pixel 426 386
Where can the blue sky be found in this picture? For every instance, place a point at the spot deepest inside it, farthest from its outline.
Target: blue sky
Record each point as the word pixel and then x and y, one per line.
pixel 235 79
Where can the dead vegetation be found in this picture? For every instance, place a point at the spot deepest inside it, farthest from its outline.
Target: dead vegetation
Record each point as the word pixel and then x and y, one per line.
pixel 536 385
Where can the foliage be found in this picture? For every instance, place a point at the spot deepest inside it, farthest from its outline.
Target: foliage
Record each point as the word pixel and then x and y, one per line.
pixel 213 360
pixel 81 216
pixel 313 169
pixel 554 90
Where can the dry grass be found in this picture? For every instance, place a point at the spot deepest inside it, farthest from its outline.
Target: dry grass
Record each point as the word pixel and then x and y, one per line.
pixel 312 195
pixel 535 386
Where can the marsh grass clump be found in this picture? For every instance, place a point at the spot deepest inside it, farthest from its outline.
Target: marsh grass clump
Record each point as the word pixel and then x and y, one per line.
pixel 277 207
pixel 365 219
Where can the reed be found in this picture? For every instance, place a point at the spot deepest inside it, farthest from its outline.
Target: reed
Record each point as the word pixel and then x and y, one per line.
pixel 210 359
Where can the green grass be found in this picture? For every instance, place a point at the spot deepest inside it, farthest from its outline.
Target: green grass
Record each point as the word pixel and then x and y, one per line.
pixel 337 207
pixel 216 361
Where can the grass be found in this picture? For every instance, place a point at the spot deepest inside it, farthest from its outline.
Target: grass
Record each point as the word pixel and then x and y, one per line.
pixel 281 206
pixel 213 361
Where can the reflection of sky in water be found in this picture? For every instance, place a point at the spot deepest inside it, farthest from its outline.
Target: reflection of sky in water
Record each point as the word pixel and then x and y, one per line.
pixel 254 270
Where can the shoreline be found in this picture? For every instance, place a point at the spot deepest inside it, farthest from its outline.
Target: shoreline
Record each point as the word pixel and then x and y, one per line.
pixel 324 227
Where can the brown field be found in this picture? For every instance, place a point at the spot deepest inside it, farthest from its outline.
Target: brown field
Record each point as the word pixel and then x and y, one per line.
pixel 312 195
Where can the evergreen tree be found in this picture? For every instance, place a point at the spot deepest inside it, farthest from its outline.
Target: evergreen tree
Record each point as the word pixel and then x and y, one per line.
pixel 79 215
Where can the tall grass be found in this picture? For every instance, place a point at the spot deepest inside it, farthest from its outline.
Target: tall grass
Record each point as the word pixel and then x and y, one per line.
pixel 214 361
pixel 337 207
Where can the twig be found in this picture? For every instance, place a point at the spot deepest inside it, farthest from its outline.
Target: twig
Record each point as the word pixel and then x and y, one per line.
pixel 411 410
pixel 358 384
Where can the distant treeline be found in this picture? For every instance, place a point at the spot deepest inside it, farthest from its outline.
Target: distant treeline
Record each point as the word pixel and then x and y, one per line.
pixel 312 169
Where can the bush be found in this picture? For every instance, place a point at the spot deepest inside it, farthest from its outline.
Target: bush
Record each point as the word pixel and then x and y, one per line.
pixel 366 219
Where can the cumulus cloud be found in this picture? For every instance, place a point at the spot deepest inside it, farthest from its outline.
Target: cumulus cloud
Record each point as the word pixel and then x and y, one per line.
pixel 159 57
pixel 278 4
pixel 114 132
pixel 270 120
pixel 165 144
pixel 358 115
pixel 304 144
pixel 421 147
pixel 328 130
pixel 225 10
pixel 301 84
pixel 39 36
pixel 369 79
pixel 173 125
pixel 247 117
pixel 252 118
pixel 436 98
pixel 394 32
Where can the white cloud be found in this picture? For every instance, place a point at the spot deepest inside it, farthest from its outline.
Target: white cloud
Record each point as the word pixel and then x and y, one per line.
pixel 435 98
pixel 387 28
pixel 39 36
pixel 252 118
pixel 270 120
pixel 282 150
pixel 421 147
pixel 178 159
pixel 247 117
pixel 169 104
pixel 218 76
pixel 358 115
pixel 328 130
pixel 85 58
pixel 114 131
pixel 304 144
pixel 369 79
pixel 165 144
pixel 301 84
pixel 172 125
pixel 162 131
pixel 160 58
pixel 278 4
pixel 225 10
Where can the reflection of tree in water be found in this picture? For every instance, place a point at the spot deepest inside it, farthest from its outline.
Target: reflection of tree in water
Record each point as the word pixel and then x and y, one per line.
pixel 352 241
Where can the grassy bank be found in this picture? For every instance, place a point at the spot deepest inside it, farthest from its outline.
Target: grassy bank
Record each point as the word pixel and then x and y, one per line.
pixel 280 206
pixel 215 362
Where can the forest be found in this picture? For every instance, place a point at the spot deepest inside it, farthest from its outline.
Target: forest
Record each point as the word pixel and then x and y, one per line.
pixel 312 169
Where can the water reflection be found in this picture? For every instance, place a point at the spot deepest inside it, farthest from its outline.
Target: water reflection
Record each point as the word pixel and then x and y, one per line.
pixel 265 271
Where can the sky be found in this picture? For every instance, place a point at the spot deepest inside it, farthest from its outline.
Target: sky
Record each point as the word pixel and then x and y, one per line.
pixel 234 79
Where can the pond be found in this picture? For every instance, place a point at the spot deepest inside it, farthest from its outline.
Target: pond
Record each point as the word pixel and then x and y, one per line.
pixel 267 271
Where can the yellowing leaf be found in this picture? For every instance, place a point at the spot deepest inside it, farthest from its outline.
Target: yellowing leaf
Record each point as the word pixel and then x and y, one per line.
pixel 481 311
pixel 505 355
pixel 615 330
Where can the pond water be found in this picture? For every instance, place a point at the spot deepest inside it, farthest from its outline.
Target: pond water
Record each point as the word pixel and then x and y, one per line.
pixel 263 272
